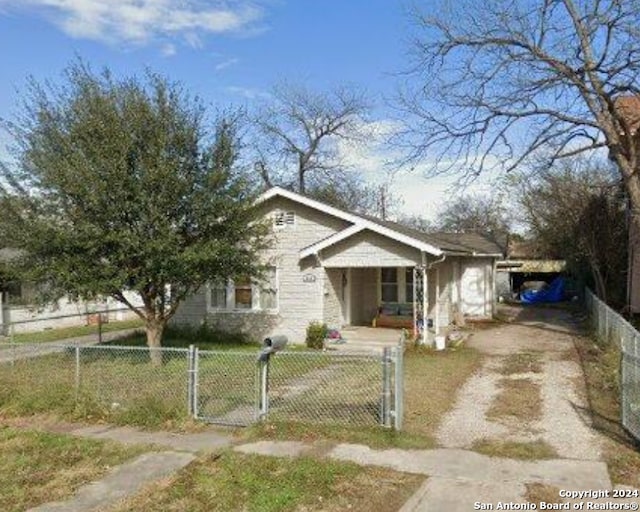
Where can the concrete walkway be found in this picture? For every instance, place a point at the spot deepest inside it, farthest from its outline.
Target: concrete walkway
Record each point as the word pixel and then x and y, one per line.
pixel 122 481
pixel 457 479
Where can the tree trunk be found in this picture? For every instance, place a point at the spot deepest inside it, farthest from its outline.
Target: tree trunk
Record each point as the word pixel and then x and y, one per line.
pixel 155 328
pixel 633 271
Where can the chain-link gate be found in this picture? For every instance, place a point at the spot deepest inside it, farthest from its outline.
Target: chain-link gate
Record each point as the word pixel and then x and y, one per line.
pixel 224 387
pixel 363 389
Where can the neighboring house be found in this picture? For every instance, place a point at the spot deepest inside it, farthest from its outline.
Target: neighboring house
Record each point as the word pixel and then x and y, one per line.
pixel 343 269
pixel 525 262
pixel 19 312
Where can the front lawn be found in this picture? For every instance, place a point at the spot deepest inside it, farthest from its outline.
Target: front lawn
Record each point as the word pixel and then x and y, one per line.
pixel 254 483
pixel 37 467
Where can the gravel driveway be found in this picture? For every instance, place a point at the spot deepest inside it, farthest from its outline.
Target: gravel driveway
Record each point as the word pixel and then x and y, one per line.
pixel 548 335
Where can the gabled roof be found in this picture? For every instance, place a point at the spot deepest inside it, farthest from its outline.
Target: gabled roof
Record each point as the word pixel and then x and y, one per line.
pixel 471 244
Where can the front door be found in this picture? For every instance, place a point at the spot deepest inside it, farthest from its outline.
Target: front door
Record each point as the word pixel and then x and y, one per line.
pixel 345 296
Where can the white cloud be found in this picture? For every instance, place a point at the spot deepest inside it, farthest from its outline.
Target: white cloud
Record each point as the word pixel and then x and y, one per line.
pixel 247 93
pixel 225 64
pixel 169 50
pixel 141 21
pixel 421 195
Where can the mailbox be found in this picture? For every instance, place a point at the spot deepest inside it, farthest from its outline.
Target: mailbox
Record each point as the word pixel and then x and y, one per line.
pixel 271 345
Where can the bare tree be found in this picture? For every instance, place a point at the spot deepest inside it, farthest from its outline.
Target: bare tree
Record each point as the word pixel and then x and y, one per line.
pixel 475 213
pixel 499 80
pixel 300 131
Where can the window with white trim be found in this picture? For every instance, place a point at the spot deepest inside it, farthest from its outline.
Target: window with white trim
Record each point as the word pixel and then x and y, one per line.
pixel 219 295
pixel 284 219
pixel 245 294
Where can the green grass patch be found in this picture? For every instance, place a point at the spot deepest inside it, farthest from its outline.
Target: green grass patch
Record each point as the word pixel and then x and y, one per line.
pixel 533 450
pixel 74 332
pixel 37 467
pixel 203 337
pixel 233 481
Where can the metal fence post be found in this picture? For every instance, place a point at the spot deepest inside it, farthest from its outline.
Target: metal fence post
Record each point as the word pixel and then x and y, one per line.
pixel 386 387
pixel 263 389
pixel 196 384
pixel 100 328
pixel 77 380
pixel 191 380
pixel 399 391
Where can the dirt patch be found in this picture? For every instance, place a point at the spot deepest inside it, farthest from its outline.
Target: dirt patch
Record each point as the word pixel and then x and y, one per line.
pixel 522 362
pixel 518 399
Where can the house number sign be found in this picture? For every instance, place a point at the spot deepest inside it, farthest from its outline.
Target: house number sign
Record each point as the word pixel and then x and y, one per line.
pixel 309 278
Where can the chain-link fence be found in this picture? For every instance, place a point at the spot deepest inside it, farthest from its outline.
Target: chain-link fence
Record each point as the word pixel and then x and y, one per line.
pixel 610 327
pixel 233 388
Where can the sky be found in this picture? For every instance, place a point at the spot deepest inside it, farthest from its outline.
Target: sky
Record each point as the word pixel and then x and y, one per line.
pixel 229 53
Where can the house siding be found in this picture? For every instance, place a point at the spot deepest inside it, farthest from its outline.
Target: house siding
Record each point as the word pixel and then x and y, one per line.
pixel 31 318
pixel 369 249
pixel 476 287
pixel 332 314
pixel 301 285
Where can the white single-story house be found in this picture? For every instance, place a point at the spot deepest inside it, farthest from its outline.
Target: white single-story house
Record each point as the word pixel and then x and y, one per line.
pixel 19 312
pixel 345 269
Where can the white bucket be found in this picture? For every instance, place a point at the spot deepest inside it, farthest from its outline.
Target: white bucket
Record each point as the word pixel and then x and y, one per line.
pixel 440 342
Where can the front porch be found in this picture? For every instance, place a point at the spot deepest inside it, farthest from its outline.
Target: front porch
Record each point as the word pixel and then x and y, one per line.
pixel 380 301
pixel 366 339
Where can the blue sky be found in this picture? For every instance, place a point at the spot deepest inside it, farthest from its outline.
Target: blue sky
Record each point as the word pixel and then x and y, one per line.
pixel 229 52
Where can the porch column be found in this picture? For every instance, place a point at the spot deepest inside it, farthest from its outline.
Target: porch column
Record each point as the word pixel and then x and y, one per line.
pixel 415 309
pixel 436 315
pixel 425 305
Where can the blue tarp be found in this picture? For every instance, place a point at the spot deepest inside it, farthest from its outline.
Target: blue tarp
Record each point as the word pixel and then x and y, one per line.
pixel 553 292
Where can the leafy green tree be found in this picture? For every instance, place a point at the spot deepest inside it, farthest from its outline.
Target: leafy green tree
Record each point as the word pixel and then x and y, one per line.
pixel 120 187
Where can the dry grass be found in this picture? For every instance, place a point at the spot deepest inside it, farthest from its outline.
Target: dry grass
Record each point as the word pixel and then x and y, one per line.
pixel 432 381
pixel 601 370
pixel 518 399
pixel 542 493
pixel 522 362
pixel 38 467
pixel 232 481
pixel 533 450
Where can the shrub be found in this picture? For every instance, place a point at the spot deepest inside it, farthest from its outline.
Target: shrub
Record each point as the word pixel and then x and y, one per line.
pixel 316 333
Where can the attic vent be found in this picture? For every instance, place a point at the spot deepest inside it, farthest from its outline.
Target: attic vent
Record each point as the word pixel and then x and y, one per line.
pixel 283 219
pixel 290 218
